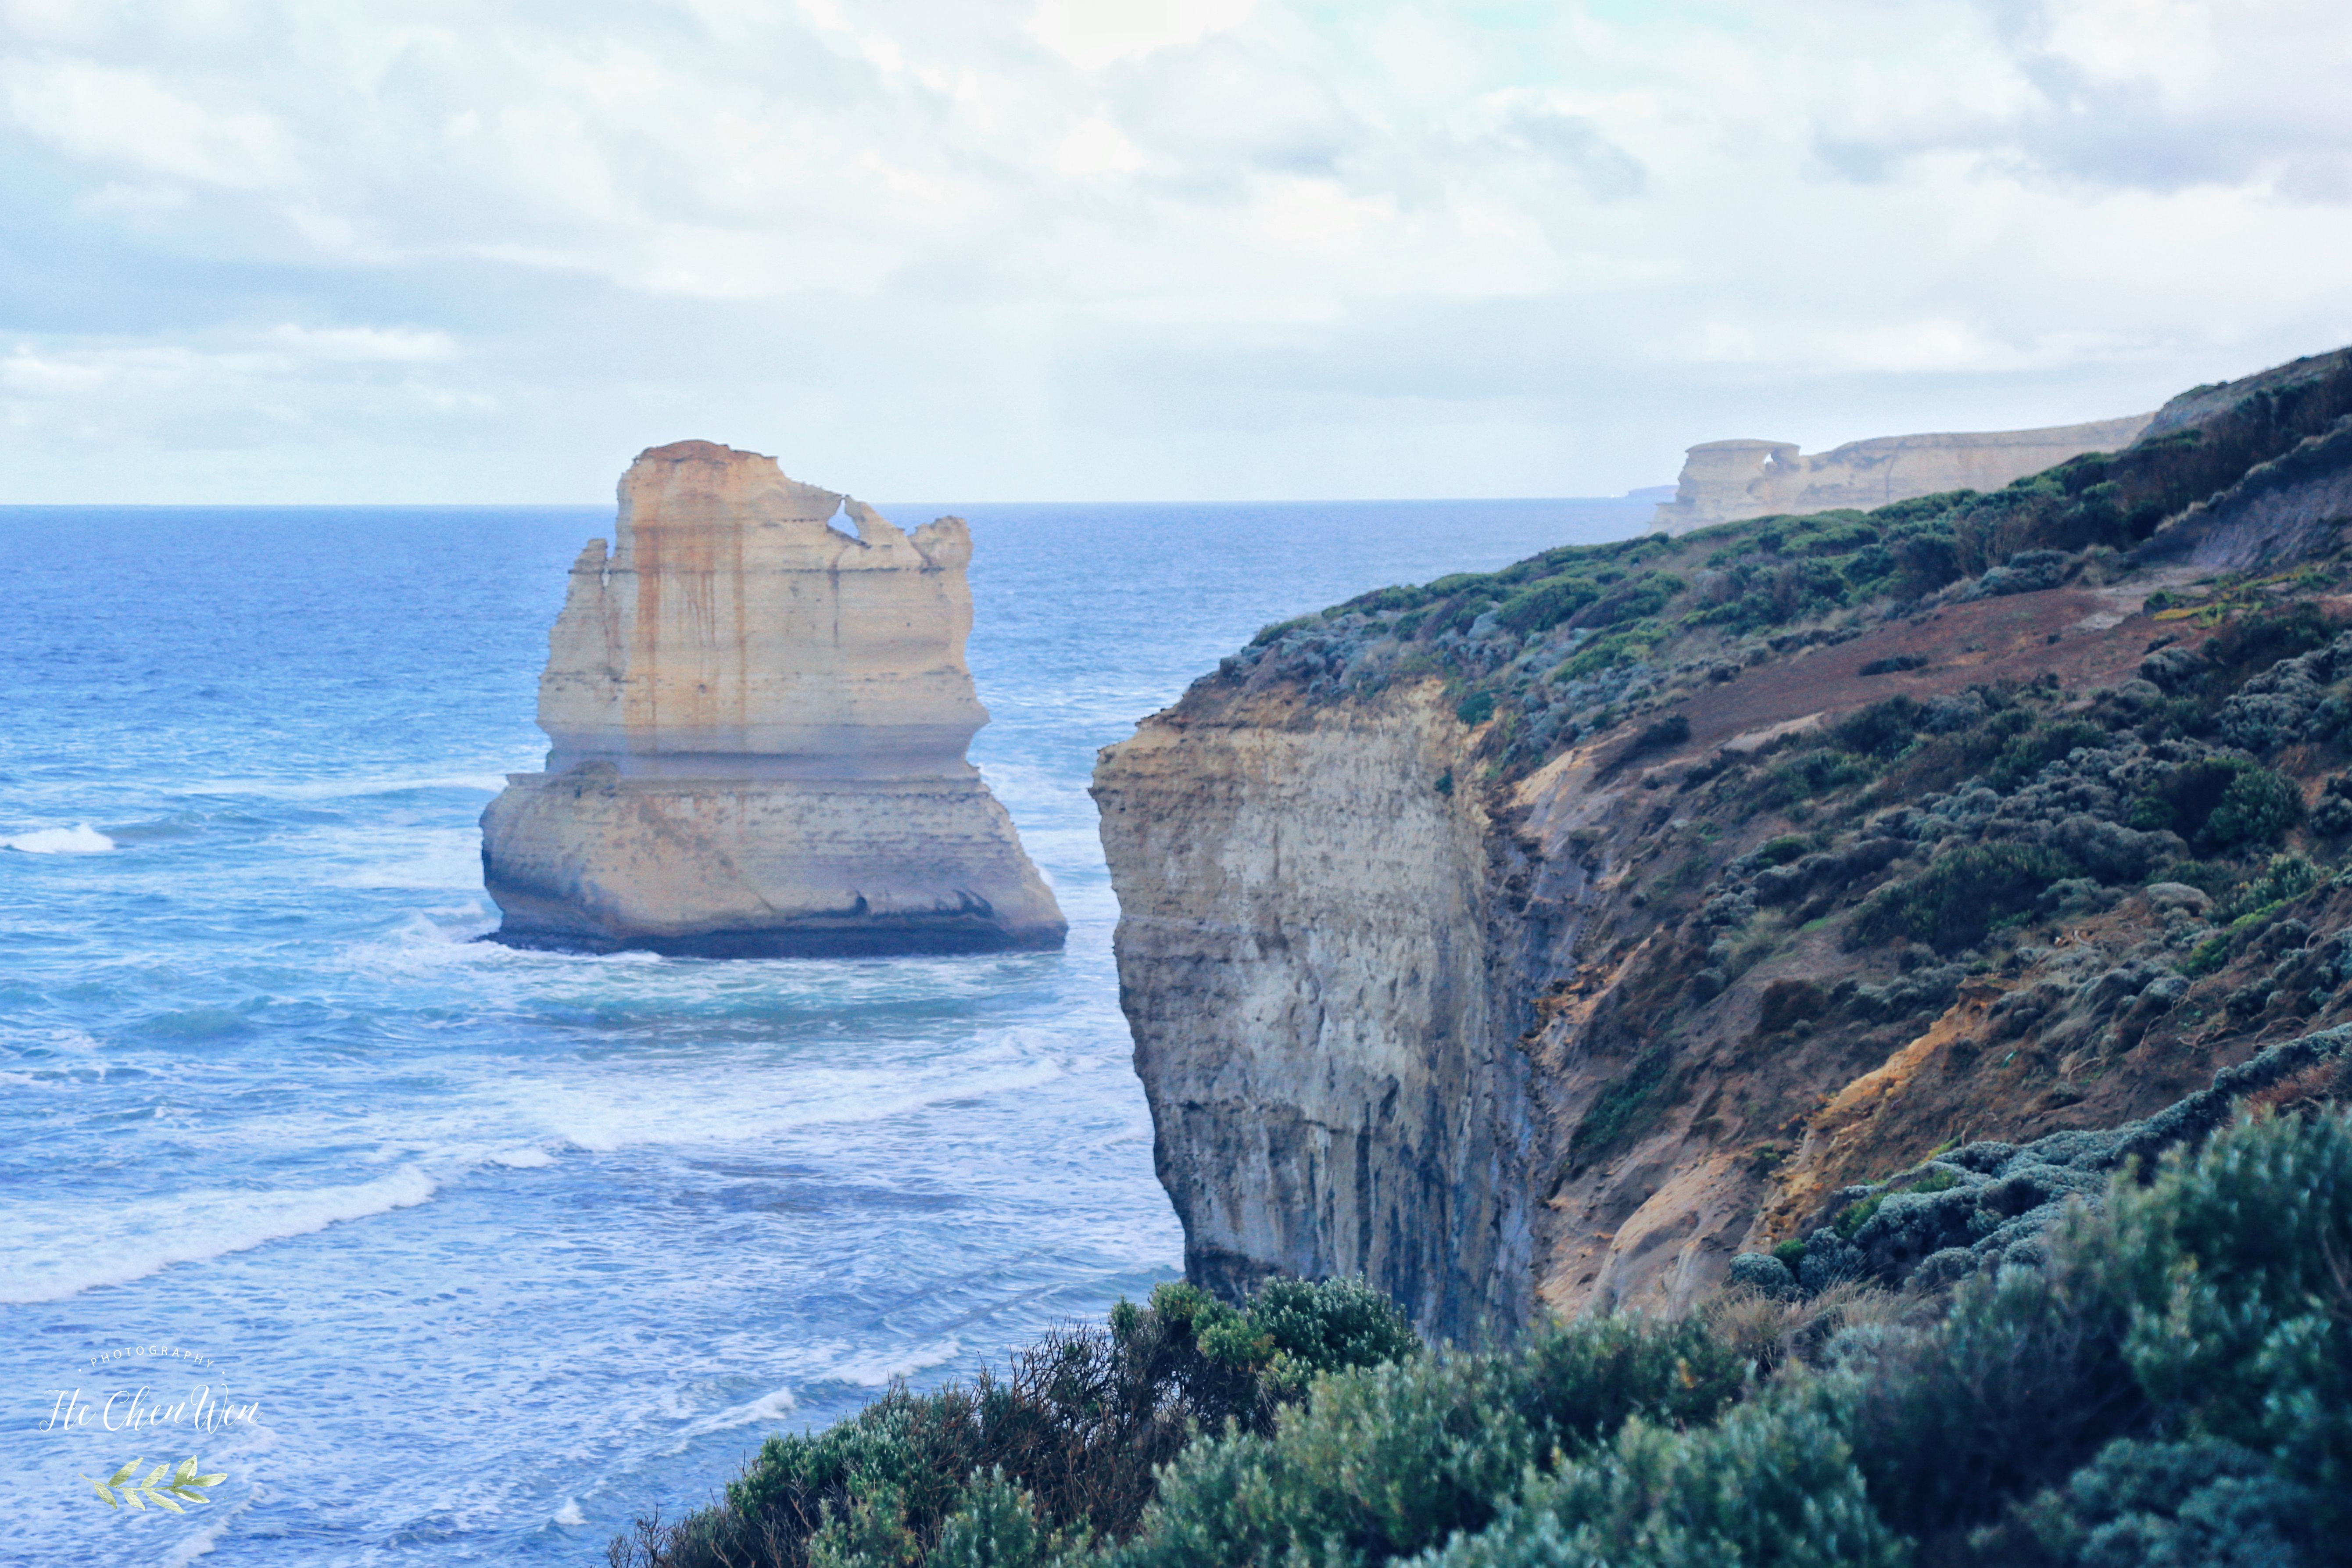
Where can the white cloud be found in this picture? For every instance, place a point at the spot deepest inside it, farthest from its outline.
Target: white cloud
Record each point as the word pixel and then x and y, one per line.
pixel 1092 33
pixel 115 116
pixel 391 345
pixel 998 247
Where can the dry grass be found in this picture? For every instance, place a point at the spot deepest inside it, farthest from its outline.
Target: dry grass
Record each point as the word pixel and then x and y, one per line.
pixel 1772 1333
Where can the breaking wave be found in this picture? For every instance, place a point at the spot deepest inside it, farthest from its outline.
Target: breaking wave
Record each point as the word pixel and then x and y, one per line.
pixel 82 839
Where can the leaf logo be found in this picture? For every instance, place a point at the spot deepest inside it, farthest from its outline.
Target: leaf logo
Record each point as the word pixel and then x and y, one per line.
pixel 184 1484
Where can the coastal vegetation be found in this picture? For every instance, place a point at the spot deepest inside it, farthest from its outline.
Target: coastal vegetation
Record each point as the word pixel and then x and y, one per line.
pixel 2168 1385
pixel 1899 960
pixel 1567 644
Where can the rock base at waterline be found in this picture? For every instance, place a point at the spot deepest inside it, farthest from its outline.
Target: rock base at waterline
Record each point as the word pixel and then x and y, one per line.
pixel 591 860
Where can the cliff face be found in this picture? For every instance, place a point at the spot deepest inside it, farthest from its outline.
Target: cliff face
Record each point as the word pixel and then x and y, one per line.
pixel 1724 482
pixel 1305 951
pixel 733 631
pixel 757 725
pixel 1547 939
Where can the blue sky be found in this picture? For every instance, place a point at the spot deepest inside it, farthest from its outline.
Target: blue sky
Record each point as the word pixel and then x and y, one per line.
pixel 259 250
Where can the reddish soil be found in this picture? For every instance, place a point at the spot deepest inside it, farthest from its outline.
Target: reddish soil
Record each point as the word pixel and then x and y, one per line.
pixel 2007 639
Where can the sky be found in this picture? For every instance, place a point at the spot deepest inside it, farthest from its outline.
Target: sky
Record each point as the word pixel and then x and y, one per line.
pixel 258 251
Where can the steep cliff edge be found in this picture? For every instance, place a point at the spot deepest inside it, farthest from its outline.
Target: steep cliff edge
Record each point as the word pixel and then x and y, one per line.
pixel 1305 956
pixel 1549 936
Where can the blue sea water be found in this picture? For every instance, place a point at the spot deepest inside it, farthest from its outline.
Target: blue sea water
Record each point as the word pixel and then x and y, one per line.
pixel 487 1250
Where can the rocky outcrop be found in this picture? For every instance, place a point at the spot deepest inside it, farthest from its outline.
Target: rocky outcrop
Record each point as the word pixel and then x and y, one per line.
pixel 1547 938
pixel 2291 509
pixel 1304 954
pixel 1724 482
pixel 756 726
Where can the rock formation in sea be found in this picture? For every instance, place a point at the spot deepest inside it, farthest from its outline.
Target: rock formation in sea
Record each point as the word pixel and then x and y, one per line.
pixel 757 725
pixel 1723 482
pixel 1548 937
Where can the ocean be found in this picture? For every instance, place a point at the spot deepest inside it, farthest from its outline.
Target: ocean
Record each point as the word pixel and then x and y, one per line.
pixel 443 1253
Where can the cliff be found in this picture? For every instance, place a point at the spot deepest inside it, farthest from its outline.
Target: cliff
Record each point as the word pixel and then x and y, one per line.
pixel 1552 936
pixel 756 726
pixel 1724 482
pixel 1304 951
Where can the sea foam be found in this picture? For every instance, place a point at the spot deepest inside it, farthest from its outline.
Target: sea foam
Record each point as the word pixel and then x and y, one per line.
pixel 82 839
pixel 52 1251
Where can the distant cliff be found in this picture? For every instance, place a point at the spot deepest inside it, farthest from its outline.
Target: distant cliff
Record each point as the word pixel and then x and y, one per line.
pixel 1725 481
pixel 757 725
pixel 1547 937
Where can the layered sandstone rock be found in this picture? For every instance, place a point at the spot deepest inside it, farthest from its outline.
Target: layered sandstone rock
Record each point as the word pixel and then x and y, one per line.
pixel 757 725
pixel 1725 481
pixel 1306 958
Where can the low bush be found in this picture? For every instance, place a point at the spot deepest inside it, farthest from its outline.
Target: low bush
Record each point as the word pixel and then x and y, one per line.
pixel 1077 1424
pixel 2251 642
pixel 1882 728
pixel 1961 895
pixel 2258 807
pixel 1661 733
pixel 2171 1384
pixel 1818 772
pixel 1391 1460
pixel 2037 748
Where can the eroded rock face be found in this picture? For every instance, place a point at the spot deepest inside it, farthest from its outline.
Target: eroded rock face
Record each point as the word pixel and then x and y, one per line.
pixel 1305 959
pixel 1724 482
pixel 757 725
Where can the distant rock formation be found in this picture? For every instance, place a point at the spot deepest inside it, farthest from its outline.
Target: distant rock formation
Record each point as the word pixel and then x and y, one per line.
pixel 757 725
pixel 1724 482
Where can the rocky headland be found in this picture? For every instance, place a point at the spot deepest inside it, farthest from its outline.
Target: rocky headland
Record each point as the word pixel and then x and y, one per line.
pixel 1549 938
pixel 757 725
pixel 1725 481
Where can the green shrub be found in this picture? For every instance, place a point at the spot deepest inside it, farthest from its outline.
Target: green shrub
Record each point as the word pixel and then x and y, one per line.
pixel 2030 752
pixel 1380 1462
pixel 1961 894
pixel 1475 709
pixel 1817 771
pixel 2184 797
pixel 2251 642
pixel 996 1527
pixel 2236 1266
pixel 1078 1423
pixel 1784 850
pixel 2209 1306
pixel 1386 1461
pixel 1585 1379
pixel 1881 729
pixel 1856 1214
pixel 1293 1329
pixel 1629 645
pixel 2258 807
pixel 1773 1483
pixel 866 1530
pixel 1670 730
pixel 2024 1380
pixel 1546 604
pixel 2152 1505
pixel 2170 1385
pixel 2284 878
pixel 1275 631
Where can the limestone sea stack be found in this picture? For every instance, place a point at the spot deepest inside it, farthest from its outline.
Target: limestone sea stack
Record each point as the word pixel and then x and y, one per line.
pixel 757 724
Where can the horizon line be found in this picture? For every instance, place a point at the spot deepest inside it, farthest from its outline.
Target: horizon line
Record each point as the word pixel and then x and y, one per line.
pixel 1644 494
